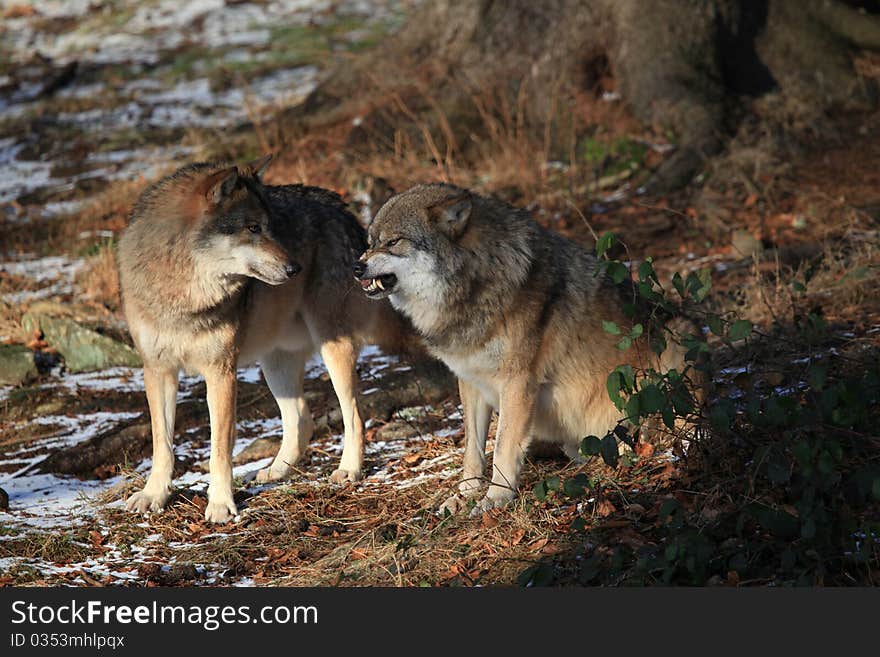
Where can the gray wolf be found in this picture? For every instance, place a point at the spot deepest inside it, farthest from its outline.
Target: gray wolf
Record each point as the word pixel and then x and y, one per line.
pixel 515 311
pixel 218 269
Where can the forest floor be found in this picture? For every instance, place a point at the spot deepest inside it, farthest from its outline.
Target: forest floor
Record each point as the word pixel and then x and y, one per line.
pixel 791 246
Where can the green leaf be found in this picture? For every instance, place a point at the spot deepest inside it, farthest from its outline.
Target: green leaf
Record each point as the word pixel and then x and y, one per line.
pixel 651 399
pixel 669 417
pixel 658 343
pixel 632 408
pixel 678 284
pixel 682 402
pixel 614 383
pixel 552 483
pixel 646 290
pixel 625 343
pixel 782 524
pixel 617 271
pixel 610 451
pixel 637 330
pixel 604 243
pixel 646 271
pixel 739 330
pixel 575 486
pixel 818 375
pixel 629 376
pixel 578 525
pixel 698 284
pixel 591 446
pixel 610 327
pixel 539 490
pixel 715 324
pixel 719 418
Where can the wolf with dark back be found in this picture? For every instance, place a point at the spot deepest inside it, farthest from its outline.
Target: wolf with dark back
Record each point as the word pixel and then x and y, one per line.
pixel 515 311
pixel 218 269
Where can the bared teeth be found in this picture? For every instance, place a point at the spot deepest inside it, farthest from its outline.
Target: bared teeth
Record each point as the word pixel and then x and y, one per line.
pixel 379 283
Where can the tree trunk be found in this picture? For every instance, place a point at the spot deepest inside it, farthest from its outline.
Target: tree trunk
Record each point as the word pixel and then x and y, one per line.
pixel 683 66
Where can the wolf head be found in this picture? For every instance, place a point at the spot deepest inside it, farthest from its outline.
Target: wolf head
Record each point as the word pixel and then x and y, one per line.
pixel 233 222
pixel 415 249
pixel 216 217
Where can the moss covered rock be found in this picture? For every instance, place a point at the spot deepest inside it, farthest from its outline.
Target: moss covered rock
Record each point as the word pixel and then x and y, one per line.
pixel 16 364
pixel 83 349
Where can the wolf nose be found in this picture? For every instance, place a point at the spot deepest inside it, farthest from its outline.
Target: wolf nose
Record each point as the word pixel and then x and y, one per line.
pixel 360 268
pixel 292 270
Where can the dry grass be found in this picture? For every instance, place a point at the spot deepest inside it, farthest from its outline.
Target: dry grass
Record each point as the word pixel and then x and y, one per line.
pixel 404 135
pixel 108 211
pixel 99 279
pixel 829 260
pixel 302 534
pixel 10 323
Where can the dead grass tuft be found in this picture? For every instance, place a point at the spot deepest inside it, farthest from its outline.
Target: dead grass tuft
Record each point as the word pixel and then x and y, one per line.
pixel 99 278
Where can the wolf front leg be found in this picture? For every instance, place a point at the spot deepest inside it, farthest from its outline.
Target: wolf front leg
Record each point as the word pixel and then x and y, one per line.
pixel 284 374
pixel 340 357
pixel 220 382
pixel 515 412
pixel 477 414
pixel 161 386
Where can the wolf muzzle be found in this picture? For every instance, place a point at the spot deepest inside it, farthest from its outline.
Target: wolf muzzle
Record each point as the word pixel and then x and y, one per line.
pixel 376 286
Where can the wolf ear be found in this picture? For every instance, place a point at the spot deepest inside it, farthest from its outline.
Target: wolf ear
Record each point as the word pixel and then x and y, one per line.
pixel 452 214
pixel 219 186
pixel 258 167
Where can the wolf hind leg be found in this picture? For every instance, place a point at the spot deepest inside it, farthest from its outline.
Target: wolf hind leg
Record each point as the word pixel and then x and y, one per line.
pixel 161 387
pixel 284 373
pixel 340 357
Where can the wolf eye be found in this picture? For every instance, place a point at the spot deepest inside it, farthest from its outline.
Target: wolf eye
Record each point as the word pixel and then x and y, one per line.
pixel 254 228
pixel 393 242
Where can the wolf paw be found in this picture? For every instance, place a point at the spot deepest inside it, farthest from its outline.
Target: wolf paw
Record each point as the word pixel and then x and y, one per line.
pixel 145 501
pixel 488 503
pixel 220 511
pixel 341 476
pixel 270 474
pixel 470 487
pixel 454 504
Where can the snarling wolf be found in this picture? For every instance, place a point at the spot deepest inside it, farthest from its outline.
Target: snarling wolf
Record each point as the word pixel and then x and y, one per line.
pixel 515 311
pixel 218 269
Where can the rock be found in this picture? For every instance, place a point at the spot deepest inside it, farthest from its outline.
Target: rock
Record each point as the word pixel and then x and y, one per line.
pixel 261 448
pixel 745 244
pixel 16 364
pixel 83 349
pixel 4 500
pixel 428 382
pixel 398 430
pixel 95 457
